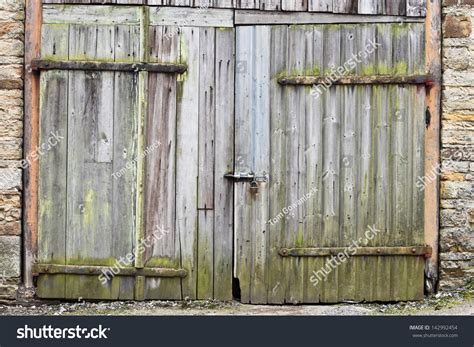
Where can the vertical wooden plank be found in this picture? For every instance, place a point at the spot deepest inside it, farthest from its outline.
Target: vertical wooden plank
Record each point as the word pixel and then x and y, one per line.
pixel 140 223
pixel 383 189
pixel 320 5
pixel 270 5
pixel 160 179
pixel 205 279
pixel 206 162
pixel 243 159
pixel 432 135
pixel 294 5
pixel 260 118
pixel 33 21
pixel 348 178
pixel 206 119
pixel 278 55
pixel 52 183
pixel 295 175
pixel 187 158
pixel 223 224
pixel 314 171
pixel 365 150
pixel 246 4
pixel 395 7
pixel 345 6
pixel 364 194
pixel 348 175
pixel 331 156
pixel 385 66
pixel 372 6
pixel 55 41
pixel 125 152
pixel 418 8
pixel 127 43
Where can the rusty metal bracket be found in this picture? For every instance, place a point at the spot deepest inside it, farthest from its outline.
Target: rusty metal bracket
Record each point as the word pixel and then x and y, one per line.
pixel 42 64
pixel 354 80
pixel 55 269
pixel 359 251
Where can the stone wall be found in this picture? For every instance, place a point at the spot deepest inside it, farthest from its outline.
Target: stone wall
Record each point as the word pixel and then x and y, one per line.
pixel 11 134
pixel 457 141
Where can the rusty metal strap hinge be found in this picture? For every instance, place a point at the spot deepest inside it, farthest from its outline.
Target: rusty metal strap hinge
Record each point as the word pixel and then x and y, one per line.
pixel 356 251
pixel 41 64
pixel 354 80
pixel 55 269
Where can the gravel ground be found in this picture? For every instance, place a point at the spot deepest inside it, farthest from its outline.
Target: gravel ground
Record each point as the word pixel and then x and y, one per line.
pixel 441 304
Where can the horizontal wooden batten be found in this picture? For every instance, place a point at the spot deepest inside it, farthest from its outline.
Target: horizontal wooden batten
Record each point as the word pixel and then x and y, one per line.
pixel 359 251
pixel 252 17
pixel 192 17
pixel 40 64
pixel 54 269
pixel 348 80
pixel 86 14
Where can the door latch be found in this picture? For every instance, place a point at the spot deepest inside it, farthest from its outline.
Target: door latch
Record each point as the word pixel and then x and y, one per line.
pixel 247 177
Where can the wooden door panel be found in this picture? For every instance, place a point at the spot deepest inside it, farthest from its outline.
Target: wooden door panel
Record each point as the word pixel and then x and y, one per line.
pixel 95 116
pixel 186 191
pixel 341 161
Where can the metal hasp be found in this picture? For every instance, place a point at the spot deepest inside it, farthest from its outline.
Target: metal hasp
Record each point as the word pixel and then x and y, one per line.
pixel 247 177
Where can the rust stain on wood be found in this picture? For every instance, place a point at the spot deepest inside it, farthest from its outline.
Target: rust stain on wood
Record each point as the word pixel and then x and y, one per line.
pixel 31 136
pixel 432 139
pixel 348 80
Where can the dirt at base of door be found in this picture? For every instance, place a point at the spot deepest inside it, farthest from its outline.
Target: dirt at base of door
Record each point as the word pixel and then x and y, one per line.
pixel 461 303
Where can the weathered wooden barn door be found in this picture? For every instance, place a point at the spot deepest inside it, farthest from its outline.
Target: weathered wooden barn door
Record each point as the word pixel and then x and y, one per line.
pixel 333 213
pixel 86 216
pixel 130 205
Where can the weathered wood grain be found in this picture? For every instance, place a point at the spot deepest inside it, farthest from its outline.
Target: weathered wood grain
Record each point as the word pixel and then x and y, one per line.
pixel 243 160
pixel 416 8
pixel 93 15
pixel 348 158
pixel 160 180
pixel 294 5
pixel 278 60
pixel 206 161
pixel 52 185
pixel 345 6
pixel 187 158
pixel 224 163
pixel 320 5
pixel 190 17
pixel 249 17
